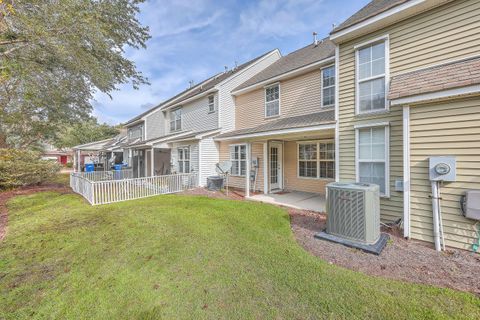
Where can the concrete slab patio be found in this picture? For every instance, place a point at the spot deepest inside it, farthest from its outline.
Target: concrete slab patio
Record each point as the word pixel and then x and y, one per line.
pixel 294 199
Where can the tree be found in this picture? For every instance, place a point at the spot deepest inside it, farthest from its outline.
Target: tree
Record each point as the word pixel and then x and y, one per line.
pixel 85 132
pixel 54 55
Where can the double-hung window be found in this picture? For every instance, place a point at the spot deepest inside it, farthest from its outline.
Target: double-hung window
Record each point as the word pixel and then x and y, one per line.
pixel 316 160
pixel 238 157
pixel 211 104
pixel 328 86
pixel 176 119
pixel 272 101
pixel 183 159
pixel 372 156
pixel 372 69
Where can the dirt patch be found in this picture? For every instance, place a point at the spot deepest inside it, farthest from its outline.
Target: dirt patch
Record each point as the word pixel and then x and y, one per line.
pixel 410 261
pixel 405 260
pixel 7 195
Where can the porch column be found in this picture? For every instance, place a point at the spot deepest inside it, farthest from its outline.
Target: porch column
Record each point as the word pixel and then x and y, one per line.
pixel 152 163
pixel 74 166
pixel 247 175
pixel 79 159
pixel 265 167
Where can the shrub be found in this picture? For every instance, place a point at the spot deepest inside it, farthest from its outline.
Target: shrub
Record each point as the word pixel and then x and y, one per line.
pixel 21 167
pixel 69 165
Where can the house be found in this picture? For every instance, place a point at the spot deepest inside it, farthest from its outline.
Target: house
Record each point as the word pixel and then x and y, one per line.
pixel 285 121
pixel 177 135
pixel 61 156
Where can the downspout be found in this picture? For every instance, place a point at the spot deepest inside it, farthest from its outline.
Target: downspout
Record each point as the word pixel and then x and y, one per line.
pixel 406 171
pixel 337 106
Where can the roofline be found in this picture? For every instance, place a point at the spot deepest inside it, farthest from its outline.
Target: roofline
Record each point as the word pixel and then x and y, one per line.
pixel 443 94
pixel 91 143
pixel 326 126
pixel 373 19
pixel 134 122
pixel 290 73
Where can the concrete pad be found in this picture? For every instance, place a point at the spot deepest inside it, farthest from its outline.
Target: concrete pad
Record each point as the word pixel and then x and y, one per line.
pixel 295 199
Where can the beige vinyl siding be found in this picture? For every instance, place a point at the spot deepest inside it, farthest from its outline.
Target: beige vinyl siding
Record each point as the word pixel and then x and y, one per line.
pixel 449 32
pixel 298 96
pixel 239 182
pixel 290 169
pixel 449 128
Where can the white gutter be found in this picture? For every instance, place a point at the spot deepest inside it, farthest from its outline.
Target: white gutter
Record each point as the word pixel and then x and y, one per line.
pixel 406 171
pixel 384 15
pixel 449 93
pixel 279 132
pixel 283 76
pixel 337 113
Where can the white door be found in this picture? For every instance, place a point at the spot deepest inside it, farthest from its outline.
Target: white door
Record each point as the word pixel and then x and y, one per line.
pixel 276 162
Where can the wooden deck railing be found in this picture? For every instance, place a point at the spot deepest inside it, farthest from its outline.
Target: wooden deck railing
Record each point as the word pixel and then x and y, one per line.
pixel 110 191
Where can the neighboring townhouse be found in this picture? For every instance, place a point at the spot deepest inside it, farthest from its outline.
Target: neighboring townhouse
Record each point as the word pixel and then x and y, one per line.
pixel 285 123
pixel 177 135
pixel 409 85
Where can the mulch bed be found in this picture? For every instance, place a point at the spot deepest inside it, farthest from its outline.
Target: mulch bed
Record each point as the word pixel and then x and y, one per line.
pixel 405 260
pixel 7 195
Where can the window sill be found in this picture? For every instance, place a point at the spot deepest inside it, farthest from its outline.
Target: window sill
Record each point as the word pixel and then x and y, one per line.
pixel 372 114
pixel 210 112
pixel 330 106
pixel 272 117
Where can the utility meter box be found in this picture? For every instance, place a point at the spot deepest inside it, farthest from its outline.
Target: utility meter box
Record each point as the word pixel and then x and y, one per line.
pixel 443 168
pixel 471 204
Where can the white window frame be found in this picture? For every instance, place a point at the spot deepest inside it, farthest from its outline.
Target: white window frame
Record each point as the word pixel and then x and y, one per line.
pixel 265 99
pixel 357 48
pixel 318 160
pixel 172 112
pixel 239 160
pixel 183 159
pixel 140 128
pixel 211 105
pixel 322 87
pixel 385 125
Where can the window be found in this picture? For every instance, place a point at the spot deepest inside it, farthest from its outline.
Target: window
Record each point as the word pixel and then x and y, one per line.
pixel 272 101
pixel 184 159
pixel 135 133
pixel 176 119
pixel 372 156
pixel 371 77
pixel 211 104
pixel 328 86
pixel 316 160
pixel 238 157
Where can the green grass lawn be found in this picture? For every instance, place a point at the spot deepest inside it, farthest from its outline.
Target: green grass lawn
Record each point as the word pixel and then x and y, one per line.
pixel 179 257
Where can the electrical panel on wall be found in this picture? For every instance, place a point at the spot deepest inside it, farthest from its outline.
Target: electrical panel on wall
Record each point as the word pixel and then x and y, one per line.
pixel 443 168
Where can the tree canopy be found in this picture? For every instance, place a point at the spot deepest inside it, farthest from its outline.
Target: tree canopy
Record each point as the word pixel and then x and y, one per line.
pixel 54 55
pixel 84 132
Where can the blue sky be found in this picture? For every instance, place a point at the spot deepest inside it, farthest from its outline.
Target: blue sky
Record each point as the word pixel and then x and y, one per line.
pixel 194 39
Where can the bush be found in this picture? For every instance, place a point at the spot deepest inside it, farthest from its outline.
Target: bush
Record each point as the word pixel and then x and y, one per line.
pixel 69 165
pixel 21 167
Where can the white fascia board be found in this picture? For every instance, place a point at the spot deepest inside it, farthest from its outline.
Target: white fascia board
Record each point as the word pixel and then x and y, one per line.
pixel 284 75
pixel 279 132
pixel 376 18
pixel 449 93
pixel 206 134
pixel 81 146
pixel 195 97
pixel 161 139
pixel 276 51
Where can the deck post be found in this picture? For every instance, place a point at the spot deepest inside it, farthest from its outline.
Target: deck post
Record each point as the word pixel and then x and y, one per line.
pixel 152 163
pixel 79 169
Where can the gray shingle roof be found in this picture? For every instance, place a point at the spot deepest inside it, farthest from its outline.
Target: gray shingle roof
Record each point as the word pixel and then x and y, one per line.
pixel 308 120
pixel 201 87
pixel 295 60
pixel 451 75
pixel 371 9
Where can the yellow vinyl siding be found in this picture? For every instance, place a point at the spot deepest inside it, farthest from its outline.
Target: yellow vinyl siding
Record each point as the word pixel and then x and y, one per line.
pixel 449 32
pixel 291 179
pixel 239 182
pixel 428 137
pixel 298 96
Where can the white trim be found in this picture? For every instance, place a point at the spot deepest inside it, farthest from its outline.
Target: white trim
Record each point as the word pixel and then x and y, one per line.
pixel 387 154
pixel 406 171
pixel 322 87
pixel 247 169
pixel 376 18
pixel 282 131
pixel 167 138
pixel 280 156
pixel 276 84
pixel 337 107
pixel 283 76
pixel 386 39
pixel 317 160
pixel 265 168
pixel 437 95
pixel 152 162
pixel 372 124
pixel 214 104
pixel 183 102
pixel 230 158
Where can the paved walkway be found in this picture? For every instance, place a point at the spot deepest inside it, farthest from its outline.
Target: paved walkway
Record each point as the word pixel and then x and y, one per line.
pixel 294 199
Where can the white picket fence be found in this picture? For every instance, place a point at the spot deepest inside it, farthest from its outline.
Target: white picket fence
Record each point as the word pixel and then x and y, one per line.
pixel 110 191
pixel 107 175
